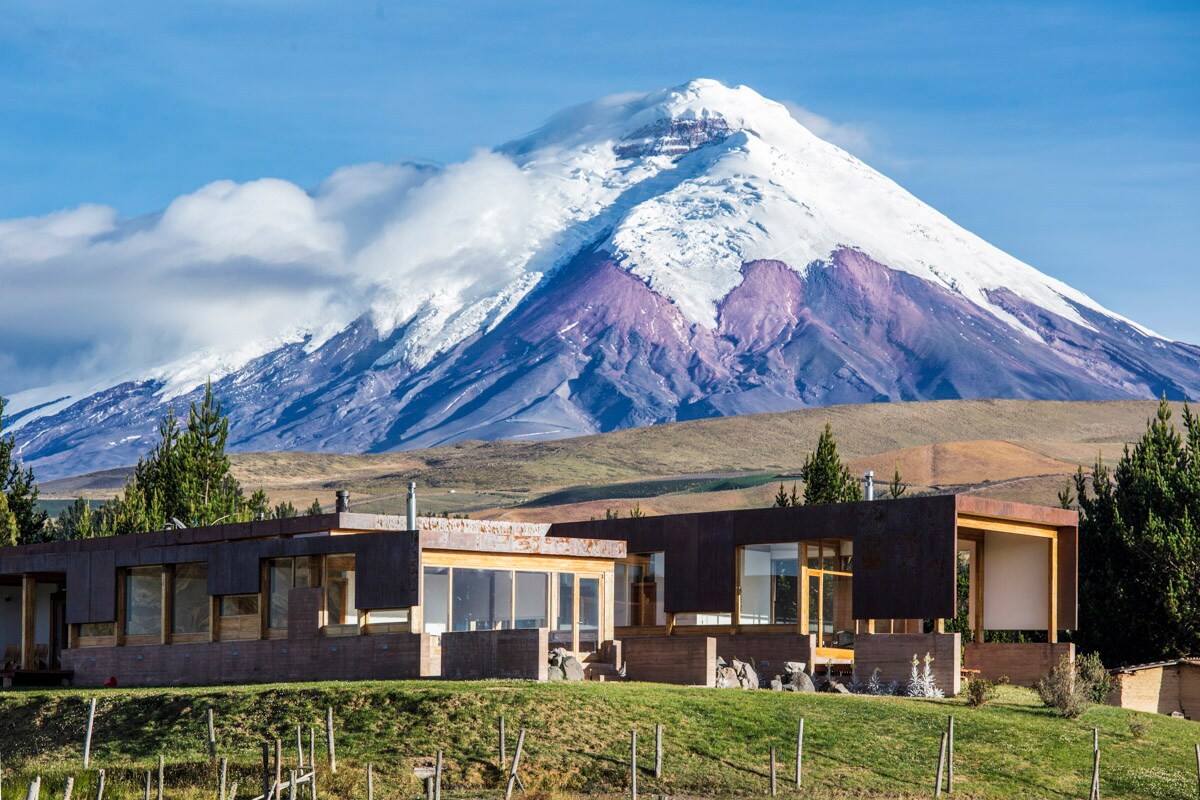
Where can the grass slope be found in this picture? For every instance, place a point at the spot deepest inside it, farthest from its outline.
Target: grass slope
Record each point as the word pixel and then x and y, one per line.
pixel 716 742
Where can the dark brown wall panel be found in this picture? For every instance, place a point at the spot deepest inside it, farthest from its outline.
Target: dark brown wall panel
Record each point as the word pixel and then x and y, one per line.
pixel 388 566
pixel 102 588
pixel 904 558
pixel 233 567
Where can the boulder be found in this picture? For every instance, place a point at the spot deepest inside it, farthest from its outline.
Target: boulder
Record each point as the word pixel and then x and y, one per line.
pixel 800 682
pixel 747 676
pixel 836 687
pixel 727 677
pixel 792 667
pixel 572 669
pixel 777 684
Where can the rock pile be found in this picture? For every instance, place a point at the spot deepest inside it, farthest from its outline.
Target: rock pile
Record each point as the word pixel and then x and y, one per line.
pixel 793 679
pixel 736 675
pixel 564 666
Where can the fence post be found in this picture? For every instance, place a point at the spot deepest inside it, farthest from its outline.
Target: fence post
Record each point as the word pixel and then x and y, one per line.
pixel 160 777
pixel 278 768
pixel 1095 793
pixel 937 791
pixel 774 785
pixel 516 762
pixel 503 755
pixel 633 765
pixel 437 777
pixel 329 740
pixel 950 758
pixel 221 774
pixel 370 781
pixel 799 752
pixel 100 784
pixel 299 748
pixel 68 788
pixel 147 784
pixel 266 769
pixel 658 733
pixel 212 737
pixel 87 741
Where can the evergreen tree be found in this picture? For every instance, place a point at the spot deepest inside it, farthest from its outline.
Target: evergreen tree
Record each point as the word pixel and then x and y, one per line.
pixel 20 491
pixel 1139 591
pixel 826 479
pixel 897 487
pixel 76 521
pixel 259 505
pixel 315 509
pixel 781 497
pixel 8 524
pixel 285 510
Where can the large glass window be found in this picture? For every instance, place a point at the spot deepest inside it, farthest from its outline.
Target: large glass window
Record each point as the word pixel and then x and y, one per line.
pixel 143 601
pixel 589 614
pixel 639 588
pixel 436 600
pixel 533 599
pixel 339 590
pixel 563 632
pixel 191 607
pixel 239 605
pixel 830 592
pixel 482 600
pixel 286 574
pixel 770 584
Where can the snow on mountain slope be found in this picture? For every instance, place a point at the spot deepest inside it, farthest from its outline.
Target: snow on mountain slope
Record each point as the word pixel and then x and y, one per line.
pixel 694 251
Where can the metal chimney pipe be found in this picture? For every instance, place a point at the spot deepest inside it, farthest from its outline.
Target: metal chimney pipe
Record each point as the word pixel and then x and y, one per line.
pixel 869 485
pixel 412 506
pixel 343 501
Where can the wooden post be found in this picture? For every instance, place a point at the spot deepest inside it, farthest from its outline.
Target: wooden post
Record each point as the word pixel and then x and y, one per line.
pixel 87 739
pixel 147 784
pixel 221 775
pixel 1095 795
pixel 233 791
pixel 266 769
pixel 278 767
pixel 503 755
pixel 212 737
pixel 312 757
pixel 28 620
pixel 34 789
pixel 937 790
pixel 658 731
pixel 950 758
pixel 68 788
pixel 329 740
pixel 100 785
pixel 370 781
pixel 774 785
pixel 800 753
pixel 516 762
pixel 160 778
pixel 292 785
pixel 437 777
pixel 633 765
pixel 1198 770
pixel 299 748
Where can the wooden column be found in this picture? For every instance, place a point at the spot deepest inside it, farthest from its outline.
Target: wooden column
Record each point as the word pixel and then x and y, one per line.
pixel 1052 624
pixel 167 586
pixel 28 620
pixel 979 578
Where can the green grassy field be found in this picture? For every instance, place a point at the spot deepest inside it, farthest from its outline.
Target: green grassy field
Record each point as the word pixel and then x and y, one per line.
pixel 716 742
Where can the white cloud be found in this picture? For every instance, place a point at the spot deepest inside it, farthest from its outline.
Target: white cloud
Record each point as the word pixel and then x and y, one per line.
pixel 850 138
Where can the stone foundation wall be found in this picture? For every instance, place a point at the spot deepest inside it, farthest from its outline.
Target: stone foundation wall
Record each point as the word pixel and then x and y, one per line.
pixel 687 660
pixel 767 651
pixel 377 657
pixel 475 655
pixel 892 654
pixel 1023 664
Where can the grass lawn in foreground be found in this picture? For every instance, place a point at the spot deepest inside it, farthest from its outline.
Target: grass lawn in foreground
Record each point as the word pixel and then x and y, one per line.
pixel 716 741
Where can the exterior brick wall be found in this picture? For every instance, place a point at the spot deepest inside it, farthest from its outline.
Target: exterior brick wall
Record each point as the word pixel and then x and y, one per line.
pixel 1024 664
pixel 767 651
pixel 686 660
pixel 380 657
pixel 892 653
pixel 1163 689
pixel 473 655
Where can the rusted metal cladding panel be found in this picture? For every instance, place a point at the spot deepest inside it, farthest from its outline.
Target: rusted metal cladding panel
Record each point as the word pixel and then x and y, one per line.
pixel 714 580
pixel 1068 578
pixel 79 588
pixel 904 558
pixel 233 567
pixel 102 587
pixel 388 569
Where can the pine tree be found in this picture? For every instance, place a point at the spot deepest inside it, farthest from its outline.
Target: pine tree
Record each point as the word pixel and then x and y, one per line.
pixel 76 521
pixel 259 505
pixel 20 491
pixel 781 497
pixel 826 479
pixel 285 510
pixel 897 487
pixel 1139 547
pixel 8 524
pixel 315 509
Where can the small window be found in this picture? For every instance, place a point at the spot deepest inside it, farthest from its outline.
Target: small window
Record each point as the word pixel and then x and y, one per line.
pixel 191 608
pixel 435 601
pixel 339 590
pixel 239 605
pixel 389 616
pixel 143 601
pixel 89 629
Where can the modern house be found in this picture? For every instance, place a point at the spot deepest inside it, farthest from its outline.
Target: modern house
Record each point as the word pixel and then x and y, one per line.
pixel 354 596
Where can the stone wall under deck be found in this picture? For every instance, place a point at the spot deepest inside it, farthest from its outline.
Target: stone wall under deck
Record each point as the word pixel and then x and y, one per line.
pixel 475 655
pixel 1024 664
pixel 892 654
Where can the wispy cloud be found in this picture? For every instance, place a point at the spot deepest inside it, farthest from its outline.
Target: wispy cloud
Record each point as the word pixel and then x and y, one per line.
pixel 851 138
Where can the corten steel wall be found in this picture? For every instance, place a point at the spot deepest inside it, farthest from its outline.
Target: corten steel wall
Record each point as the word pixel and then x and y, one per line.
pixel 684 660
pixel 892 654
pixel 904 556
pixel 767 651
pixel 1024 664
pixel 474 655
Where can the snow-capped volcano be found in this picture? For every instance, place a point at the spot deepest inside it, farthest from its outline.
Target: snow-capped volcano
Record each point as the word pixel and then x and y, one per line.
pixel 691 252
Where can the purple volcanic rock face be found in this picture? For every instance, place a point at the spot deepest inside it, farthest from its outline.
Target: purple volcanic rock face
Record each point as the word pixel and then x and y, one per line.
pixel 595 349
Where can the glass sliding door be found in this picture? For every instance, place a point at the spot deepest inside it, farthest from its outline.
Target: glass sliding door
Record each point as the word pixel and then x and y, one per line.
pixel 533 600
pixel 770 584
pixel 563 632
pixel 482 600
pixel 589 615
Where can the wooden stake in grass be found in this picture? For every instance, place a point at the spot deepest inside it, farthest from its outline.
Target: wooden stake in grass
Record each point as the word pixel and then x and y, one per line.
pixel 312 761
pixel 292 785
pixel 279 766
pixel 437 777
pixel 233 791
pixel 100 785
pixel 1095 795
pixel 212 737
pixel 1198 770
pixel 658 731
pixel 633 765
pixel 370 781
pixel 941 765
pixel 950 757
pixel 35 788
pixel 87 739
pixel 503 754
pixel 221 775
pixel 799 753
pixel 147 784
pixel 299 748
pixel 329 740
pixel 516 762
pixel 774 785
pixel 160 778
pixel 68 788
pixel 266 769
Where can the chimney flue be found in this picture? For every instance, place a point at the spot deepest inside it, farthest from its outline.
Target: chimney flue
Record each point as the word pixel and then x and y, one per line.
pixel 412 506
pixel 343 501
pixel 869 485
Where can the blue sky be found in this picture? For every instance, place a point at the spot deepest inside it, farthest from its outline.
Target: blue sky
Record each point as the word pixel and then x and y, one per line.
pixel 1064 133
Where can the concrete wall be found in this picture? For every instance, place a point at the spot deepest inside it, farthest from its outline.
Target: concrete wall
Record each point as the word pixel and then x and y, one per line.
pixel 892 653
pixel 1023 664
pixel 687 660
pixel 473 655
pixel 383 657
pixel 767 651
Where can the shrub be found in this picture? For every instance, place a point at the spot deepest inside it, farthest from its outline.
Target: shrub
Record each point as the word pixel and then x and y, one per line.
pixel 1070 688
pixel 1092 671
pixel 1138 726
pixel 980 691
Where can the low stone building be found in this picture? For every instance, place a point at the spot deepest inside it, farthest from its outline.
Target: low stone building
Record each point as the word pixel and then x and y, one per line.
pixel 1164 687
